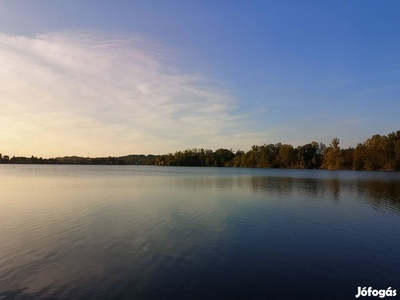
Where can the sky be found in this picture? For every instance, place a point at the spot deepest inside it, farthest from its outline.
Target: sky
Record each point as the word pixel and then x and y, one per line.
pixel 112 78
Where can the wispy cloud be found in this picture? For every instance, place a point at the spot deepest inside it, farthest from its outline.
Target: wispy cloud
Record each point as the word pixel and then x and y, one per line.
pixel 105 94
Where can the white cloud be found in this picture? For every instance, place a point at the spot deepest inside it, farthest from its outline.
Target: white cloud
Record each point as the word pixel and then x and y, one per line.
pixel 75 93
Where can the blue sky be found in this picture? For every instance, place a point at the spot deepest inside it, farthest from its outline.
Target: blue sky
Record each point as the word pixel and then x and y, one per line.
pixel 114 78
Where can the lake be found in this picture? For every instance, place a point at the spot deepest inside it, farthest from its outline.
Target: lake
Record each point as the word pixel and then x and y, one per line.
pixel 146 232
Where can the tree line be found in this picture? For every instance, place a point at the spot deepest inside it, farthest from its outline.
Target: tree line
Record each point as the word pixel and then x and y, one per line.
pixel 376 153
pixel 77 160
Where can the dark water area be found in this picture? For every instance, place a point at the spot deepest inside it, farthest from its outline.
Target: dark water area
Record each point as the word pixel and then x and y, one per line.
pixel 146 232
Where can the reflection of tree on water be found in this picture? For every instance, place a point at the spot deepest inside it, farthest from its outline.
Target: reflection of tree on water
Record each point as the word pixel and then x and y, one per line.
pixel 333 185
pixel 276 185
pixel 380 193
pixel 376 192
pixel 309 187
pixel 208 182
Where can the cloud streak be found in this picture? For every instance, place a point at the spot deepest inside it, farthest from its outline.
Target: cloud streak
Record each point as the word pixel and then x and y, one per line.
pixel 75 93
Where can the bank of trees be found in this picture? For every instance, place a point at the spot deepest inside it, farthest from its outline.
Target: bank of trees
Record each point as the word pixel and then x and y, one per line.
pixel 78 160
pixel 376 153
pixel 265 156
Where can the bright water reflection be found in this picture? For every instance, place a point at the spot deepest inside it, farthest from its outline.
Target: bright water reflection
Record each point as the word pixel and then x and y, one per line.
pixel 99 232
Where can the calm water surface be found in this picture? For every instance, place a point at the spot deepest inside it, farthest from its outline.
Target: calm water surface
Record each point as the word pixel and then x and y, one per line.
pixel 145 232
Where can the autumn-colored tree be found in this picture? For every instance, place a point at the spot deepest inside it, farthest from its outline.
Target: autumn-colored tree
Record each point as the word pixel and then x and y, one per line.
pixel 286 155
pixel 333 157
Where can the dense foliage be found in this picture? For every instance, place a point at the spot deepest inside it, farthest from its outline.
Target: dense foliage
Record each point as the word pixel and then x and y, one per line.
pixel 377 153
